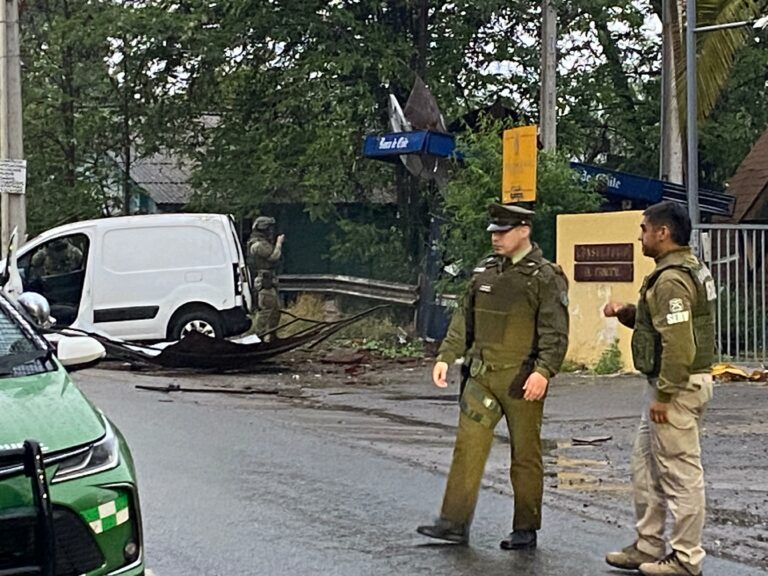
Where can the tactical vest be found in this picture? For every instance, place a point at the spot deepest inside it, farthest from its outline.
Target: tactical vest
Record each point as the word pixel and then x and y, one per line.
pixel 256 262
pixel 506 303
pixel 646 341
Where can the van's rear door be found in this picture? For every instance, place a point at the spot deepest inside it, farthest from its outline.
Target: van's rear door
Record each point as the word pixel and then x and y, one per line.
pixel 242 275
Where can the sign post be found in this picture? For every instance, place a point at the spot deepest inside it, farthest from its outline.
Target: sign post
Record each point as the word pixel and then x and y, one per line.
pixel 519 155
pixel 13 211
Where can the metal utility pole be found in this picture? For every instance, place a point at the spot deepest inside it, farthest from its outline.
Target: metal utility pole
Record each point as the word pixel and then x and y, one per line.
pixel 548 94
pixel 691 77
pixel 12 205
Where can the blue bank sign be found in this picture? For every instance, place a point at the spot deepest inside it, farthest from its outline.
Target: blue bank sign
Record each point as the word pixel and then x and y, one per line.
pixel 622 184
pixel 390 146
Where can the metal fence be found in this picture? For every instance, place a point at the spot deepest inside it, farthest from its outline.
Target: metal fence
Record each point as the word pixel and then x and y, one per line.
pixel 736 256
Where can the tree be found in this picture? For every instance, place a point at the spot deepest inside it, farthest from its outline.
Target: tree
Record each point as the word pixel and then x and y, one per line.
pixel 101 84
pixel 478 183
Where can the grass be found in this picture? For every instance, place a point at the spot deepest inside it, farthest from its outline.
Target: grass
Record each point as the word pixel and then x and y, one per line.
pixel 381 333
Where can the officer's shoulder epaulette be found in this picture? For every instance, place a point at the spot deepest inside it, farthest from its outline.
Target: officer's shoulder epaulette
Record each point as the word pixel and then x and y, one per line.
pixel 490 261
pixel 546 269
pixel 556 268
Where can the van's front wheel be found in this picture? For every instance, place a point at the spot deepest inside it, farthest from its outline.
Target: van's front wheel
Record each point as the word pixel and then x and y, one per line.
pixel 206 322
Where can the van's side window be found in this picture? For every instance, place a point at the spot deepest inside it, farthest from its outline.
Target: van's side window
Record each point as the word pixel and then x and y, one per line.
pixel 56 269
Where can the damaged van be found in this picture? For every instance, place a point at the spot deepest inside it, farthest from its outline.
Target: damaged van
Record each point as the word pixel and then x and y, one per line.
pixel 148 277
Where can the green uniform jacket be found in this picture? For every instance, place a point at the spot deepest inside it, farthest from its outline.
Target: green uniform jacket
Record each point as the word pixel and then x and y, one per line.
pixel 519 319
pixel 673 322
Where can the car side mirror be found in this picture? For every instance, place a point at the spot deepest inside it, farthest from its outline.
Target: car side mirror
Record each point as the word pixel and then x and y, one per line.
pixel 77 352
pixel 37 306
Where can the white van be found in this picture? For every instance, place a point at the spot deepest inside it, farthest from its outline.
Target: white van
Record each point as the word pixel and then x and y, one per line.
pixel 150 277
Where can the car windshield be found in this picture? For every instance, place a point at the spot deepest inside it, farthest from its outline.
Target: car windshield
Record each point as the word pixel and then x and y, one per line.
pixel 21 353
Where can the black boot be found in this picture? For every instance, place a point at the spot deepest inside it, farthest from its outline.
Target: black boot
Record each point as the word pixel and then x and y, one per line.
pixel 446 530
pixel 519 540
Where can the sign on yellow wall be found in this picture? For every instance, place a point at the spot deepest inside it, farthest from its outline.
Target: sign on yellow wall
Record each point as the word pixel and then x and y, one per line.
pixel 518 178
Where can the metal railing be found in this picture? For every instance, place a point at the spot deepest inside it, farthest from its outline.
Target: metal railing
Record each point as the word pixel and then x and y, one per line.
pixel 394 292
pixel 736 255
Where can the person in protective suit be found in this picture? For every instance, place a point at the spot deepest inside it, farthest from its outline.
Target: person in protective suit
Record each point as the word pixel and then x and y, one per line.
pixel 673 345
pixel 57 257
pixel 264 253
pixel 512 332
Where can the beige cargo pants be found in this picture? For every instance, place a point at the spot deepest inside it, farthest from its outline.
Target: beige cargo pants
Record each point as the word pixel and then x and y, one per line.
pixel 667 475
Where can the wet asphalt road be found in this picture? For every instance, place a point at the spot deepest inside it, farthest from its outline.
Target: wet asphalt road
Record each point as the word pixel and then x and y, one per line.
pixel 234 487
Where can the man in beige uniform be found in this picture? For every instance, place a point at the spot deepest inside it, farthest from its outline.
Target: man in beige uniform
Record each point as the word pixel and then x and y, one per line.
pixel 513 333
pixel 673 344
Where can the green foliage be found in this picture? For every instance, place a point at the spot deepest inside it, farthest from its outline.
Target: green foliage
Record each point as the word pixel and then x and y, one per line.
pixel 269 100
pixel 98 82
pixel 478 183
pixel 739 118
pixel 610 360
pixel 569 366
pixel 395 347
pixel 379 248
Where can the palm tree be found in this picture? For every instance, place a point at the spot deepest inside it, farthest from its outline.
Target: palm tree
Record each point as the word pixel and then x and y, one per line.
pixel 716 51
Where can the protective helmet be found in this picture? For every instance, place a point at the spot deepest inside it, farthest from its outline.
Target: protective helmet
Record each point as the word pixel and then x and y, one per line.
pixel 263 223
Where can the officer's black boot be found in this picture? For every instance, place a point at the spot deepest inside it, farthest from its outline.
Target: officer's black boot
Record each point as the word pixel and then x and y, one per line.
pixel 519 540
pixel 446 530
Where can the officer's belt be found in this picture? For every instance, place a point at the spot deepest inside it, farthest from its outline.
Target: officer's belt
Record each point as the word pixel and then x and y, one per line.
pixel 478 366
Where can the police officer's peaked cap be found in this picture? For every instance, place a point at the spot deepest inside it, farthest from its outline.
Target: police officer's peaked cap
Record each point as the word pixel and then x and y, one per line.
pixel 263 222
pixel 504 217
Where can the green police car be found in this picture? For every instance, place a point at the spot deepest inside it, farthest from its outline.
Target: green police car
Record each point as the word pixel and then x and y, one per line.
pixel 68 499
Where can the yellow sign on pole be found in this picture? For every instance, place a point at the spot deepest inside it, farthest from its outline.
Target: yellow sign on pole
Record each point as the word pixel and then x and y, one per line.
pixel 519 152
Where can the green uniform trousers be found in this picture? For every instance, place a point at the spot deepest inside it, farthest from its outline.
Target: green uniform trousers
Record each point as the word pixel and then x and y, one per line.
pixel 268 316
pixel 483 403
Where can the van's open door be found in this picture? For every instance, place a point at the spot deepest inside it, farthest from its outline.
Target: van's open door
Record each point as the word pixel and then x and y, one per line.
pixel 245 280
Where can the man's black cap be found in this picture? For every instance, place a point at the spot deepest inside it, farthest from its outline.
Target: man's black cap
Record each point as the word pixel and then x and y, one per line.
pixel 504 217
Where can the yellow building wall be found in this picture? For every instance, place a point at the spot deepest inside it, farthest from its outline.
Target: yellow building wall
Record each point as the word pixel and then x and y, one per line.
pixel 591 333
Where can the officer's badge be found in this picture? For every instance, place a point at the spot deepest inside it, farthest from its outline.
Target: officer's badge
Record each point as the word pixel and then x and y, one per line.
pixel 676 305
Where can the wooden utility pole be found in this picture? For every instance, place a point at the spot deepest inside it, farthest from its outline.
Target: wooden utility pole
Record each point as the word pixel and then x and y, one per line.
pixel 548 93
pixel 12 205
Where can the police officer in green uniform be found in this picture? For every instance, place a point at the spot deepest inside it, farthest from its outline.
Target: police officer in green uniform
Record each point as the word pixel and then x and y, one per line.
pixel 264 252
pixel 512 332
pixel 672 344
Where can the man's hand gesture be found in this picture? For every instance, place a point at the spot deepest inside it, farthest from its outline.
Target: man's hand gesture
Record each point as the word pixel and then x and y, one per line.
pixel 440 374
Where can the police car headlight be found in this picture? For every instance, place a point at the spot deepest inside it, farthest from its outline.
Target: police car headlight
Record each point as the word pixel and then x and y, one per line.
pixel 100 456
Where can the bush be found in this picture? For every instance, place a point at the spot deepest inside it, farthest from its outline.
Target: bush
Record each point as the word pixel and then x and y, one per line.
pixel 610 360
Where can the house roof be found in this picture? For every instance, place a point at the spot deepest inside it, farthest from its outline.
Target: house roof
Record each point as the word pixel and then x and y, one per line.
pixel 165 178
pixel 750 180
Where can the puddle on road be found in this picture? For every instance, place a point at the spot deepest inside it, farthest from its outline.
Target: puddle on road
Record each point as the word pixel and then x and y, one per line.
pixel 578 473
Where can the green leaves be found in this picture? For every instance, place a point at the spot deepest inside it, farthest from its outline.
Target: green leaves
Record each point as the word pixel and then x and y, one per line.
pixel 474 187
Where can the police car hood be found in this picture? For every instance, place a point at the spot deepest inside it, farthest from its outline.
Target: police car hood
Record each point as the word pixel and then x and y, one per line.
pixel 47 408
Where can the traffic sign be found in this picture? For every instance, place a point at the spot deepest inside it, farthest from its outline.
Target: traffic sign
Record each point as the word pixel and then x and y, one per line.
pixel 519 154
pixel 13 176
